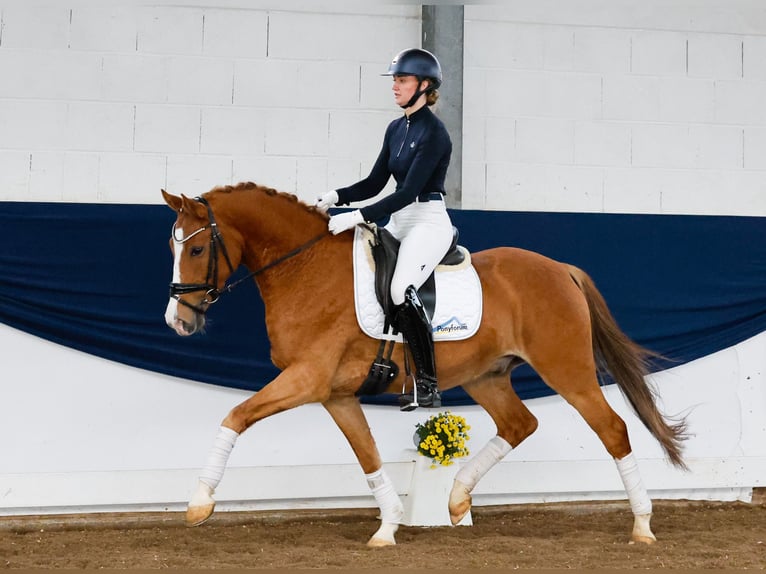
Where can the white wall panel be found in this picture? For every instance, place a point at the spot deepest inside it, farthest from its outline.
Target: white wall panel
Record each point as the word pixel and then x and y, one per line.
pixel 601 50
pixel 147 173
pixel 632 190
pixel 50 75
pixel 740 102
pixel 296 132
pixel 658 53
pixel 164 129
pixel 103 28
pixel 33 125
pixel 114 450
pixel 195 174
pixel 754 143
pixel 497 138
pixel 236 33
pixel 544 140
pixel 201 81
pixel 25 27
pixel 631 98
pixel 176 30
pixel 96 126
pixel 686 100
pixel 134 78
pixel 715 56
pixel 228 130
pixel 80 178
pixel 46 171
pixel 342 37
pixel 753 56
pixel 602 143
pixel 14 177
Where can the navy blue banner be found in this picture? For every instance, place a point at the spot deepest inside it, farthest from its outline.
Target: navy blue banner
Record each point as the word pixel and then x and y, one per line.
pixel 95 277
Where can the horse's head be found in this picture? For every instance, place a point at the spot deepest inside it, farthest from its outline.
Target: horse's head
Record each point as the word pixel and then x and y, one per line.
pixel 201 263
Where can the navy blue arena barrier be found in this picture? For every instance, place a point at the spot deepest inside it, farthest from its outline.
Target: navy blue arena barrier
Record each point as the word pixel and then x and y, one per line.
pixel 95 277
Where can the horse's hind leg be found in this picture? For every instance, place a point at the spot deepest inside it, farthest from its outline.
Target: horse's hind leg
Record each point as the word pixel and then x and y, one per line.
pixel 348 415
pixel 514 423
pixel 579 387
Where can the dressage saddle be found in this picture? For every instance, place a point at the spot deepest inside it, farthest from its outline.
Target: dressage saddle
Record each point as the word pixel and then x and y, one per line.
pixel 385 249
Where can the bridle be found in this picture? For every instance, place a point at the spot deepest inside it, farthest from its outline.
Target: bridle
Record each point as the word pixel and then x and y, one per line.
pixel 212 293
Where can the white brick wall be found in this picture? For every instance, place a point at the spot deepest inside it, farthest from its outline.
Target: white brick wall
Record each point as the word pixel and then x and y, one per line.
pixel 647 107
pixel 653 106
pixel 113 101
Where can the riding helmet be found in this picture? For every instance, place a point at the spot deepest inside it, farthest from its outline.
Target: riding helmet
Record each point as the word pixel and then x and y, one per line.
pixel 417 62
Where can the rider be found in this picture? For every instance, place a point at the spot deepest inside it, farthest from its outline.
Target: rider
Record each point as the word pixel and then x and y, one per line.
pixel 416 151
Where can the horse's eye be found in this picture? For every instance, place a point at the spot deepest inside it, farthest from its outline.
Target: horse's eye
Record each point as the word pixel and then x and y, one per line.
pixel 197 250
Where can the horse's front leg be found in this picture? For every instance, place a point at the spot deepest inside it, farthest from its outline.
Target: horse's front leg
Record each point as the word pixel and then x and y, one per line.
pixel 348 415
pixel 514 424
pixel 295 386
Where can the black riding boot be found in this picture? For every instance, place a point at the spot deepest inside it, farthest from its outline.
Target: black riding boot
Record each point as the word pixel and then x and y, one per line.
pixel 412 321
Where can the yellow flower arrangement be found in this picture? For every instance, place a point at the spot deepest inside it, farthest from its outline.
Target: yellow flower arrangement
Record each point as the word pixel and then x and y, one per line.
pixel 442 438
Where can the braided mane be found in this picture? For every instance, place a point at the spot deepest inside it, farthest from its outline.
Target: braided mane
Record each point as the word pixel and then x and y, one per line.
pixel 252 186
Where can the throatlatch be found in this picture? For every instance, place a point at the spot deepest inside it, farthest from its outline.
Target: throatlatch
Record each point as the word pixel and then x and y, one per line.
pixel 413 322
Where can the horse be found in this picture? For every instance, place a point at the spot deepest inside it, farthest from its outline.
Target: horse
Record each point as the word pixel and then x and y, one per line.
pixel 536 310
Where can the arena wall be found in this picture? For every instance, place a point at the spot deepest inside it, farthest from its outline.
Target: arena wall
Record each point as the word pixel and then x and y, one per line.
pixel 644 107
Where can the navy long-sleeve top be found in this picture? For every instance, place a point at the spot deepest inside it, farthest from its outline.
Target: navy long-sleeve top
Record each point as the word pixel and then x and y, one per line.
pixel 416 151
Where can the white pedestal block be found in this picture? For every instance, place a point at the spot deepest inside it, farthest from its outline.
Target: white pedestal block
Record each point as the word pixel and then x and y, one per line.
pixel 428 497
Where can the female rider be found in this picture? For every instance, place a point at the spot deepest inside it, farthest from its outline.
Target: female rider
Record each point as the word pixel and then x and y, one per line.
pixel 416 151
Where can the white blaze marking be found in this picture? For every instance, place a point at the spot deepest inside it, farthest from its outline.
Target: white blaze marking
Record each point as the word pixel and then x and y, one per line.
pixel 172 308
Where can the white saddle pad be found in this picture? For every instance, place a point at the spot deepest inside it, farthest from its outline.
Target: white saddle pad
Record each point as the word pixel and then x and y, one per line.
pixel 458 295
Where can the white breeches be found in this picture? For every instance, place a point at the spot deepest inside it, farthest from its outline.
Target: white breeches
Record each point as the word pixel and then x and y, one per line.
pixel 425 233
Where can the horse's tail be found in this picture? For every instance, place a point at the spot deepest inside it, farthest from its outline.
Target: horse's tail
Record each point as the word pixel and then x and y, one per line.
pixel 627 363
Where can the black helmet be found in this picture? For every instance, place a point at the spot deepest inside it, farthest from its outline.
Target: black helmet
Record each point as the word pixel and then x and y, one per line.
pixel 417 62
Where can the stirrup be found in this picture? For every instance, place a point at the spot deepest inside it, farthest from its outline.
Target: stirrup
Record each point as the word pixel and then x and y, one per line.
pixel 430 397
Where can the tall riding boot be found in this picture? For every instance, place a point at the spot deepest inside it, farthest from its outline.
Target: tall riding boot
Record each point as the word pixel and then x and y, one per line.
pixel 412 321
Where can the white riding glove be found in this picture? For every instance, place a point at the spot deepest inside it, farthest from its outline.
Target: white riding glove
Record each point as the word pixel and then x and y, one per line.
pixel 327 200
pixel 343 221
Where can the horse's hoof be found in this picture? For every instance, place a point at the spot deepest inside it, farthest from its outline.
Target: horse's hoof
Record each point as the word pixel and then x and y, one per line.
pixel 384 535
pixel 459 502
pixel 642 540
pixel 196 515
pixel 642 531
pixel 379 543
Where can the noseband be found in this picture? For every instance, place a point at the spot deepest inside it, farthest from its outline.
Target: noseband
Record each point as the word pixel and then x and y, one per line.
pixel 212 293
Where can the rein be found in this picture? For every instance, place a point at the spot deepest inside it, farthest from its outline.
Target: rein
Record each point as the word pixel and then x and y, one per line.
pixel 212 292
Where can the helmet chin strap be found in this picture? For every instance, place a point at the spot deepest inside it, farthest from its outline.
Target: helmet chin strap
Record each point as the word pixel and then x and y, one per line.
pixel 416 95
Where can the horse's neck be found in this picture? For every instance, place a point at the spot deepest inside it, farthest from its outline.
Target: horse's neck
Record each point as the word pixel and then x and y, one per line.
pixel 272 231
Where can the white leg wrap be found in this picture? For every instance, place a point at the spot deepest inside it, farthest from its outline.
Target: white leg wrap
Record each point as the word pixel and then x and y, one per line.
pixel 492 453
pixel 218 457
pixel 640 503
pixel 391 508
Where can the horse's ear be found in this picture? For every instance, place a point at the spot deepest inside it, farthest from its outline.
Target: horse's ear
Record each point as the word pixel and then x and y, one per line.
pixel 193 207
pixel 173 201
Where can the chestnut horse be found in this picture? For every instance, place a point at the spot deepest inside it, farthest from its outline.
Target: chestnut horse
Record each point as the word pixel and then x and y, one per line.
pixel 535 310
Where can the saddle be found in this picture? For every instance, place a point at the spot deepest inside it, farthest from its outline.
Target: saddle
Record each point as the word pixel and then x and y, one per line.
pixel 385 250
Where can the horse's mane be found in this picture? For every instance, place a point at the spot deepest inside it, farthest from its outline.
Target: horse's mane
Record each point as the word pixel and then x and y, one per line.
pixel 252 186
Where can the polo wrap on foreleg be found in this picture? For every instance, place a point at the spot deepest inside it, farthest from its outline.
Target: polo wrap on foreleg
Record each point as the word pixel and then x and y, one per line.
pixel 492 453
pixel 640 503
pixel 391 509
pixel 219 455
